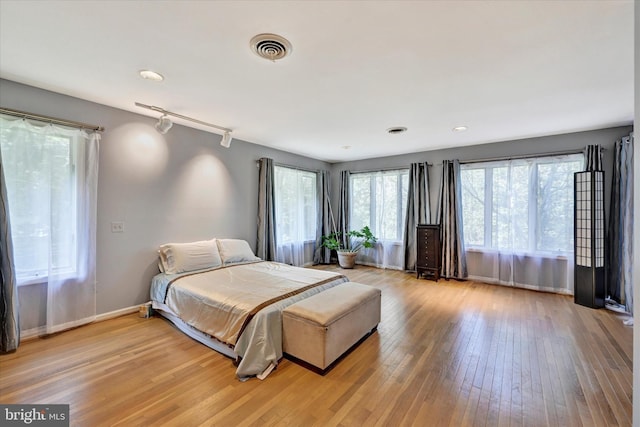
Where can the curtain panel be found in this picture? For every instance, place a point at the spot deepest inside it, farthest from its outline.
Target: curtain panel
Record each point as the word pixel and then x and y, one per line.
pixel 454 262
pixel 324 218
pixel 51 177
pixel 343 206
pixel 418 211
pixel 297 253
pixel 378 200
pixel 528 271
pixel 620 235
pixel 296 213
pixel 518 221
pixel 384 254
pixel 593 158
pixel 266 242
pixel 9 307
pixel 72 302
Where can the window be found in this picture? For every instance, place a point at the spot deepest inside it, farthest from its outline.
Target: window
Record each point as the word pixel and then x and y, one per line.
pixel 40 171
pixel 523 205
pixel 379 200
pixel 295 200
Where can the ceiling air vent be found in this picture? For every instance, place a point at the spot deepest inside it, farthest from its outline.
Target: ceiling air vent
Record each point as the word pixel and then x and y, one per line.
pixel 270 46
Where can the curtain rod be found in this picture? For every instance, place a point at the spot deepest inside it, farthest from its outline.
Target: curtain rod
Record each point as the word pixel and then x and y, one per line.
pixel 525 156
pixel 290 167
pixel 397 168
pixel 380 170
pixel 283 165
pixel 48 119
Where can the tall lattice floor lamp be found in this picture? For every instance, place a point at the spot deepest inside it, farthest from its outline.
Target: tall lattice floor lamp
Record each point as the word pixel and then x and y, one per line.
pixel 589 238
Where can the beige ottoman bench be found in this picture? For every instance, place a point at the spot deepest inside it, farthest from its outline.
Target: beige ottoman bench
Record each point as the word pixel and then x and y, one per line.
pixel 319 329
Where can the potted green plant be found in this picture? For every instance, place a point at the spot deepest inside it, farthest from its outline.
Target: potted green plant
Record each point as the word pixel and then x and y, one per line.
pixel 347 249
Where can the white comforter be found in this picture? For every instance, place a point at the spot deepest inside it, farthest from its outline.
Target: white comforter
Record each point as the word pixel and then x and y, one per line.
pixel 218 302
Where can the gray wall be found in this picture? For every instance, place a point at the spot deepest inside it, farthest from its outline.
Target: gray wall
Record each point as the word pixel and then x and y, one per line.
pixel 178 187
pixel 547 144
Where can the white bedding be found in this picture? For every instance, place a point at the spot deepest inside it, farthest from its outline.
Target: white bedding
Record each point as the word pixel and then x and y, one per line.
pixel 218 302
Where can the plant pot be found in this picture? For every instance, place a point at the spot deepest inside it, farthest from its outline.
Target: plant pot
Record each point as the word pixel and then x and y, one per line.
pixel 347 259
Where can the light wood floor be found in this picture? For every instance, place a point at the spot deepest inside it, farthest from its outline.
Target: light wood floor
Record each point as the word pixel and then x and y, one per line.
pixel 447 353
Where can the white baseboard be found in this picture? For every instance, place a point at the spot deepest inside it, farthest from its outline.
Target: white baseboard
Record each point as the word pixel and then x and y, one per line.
pixel 42 330
pixel 118 313
pixel 28 334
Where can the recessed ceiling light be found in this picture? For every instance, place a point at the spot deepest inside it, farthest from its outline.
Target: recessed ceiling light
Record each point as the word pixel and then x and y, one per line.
pixel 459 128
pixel 397 129
pixel 151 75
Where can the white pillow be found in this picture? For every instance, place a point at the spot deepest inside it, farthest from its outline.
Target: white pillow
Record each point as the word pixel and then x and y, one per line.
pixel 233 251
pixel 183 257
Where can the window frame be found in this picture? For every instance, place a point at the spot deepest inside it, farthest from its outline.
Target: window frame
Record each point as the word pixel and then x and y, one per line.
pixel 307 239
pixel 72 179
pixel 401 207
pixel 533 221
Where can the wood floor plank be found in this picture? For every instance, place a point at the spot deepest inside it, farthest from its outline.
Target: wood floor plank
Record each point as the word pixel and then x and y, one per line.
pixel 445 353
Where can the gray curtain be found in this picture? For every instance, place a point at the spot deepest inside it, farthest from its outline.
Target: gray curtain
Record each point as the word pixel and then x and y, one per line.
pixel 266 211
pixel 9 321
pixel 417 210
pixel 593 158
pixel 324 218
pixel 454 262
pixel 621 225
pixel 343 207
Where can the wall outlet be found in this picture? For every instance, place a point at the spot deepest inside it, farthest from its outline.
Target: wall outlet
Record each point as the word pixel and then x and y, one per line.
pixel 117 227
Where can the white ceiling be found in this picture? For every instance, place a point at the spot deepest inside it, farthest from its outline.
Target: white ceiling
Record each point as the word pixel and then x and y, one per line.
pixel 507 70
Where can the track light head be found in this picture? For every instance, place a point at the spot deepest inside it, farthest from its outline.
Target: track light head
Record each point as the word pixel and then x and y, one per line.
pixel 164 124
pixel 226 140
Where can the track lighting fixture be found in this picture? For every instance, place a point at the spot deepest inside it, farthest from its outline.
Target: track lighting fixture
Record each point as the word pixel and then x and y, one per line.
pixel 226 140
pixel 164 123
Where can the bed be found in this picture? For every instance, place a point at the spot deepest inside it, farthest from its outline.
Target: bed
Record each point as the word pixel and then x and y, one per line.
pixel 220 294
